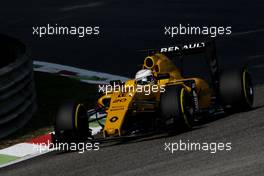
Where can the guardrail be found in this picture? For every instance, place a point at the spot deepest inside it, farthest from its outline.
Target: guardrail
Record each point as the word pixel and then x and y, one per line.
pixel 17 91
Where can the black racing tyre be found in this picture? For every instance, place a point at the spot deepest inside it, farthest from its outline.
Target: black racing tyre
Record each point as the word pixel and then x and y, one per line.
pixel 176 106
pixel 71 123
pixel 236 90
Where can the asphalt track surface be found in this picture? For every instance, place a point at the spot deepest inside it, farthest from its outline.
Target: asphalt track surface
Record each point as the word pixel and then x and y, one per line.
pixel 126 27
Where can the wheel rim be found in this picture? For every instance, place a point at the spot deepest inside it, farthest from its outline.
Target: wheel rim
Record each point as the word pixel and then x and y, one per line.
pixel 185 113
pixel 79 112
pixel 248 88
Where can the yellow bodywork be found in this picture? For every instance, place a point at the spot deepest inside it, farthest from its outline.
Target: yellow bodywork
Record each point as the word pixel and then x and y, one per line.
pixel 133 102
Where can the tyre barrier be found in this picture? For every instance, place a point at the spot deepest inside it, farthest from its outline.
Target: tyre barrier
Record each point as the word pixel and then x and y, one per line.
pixel 17 89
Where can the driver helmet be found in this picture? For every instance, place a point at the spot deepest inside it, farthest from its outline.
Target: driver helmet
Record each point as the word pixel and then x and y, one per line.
pixel 145 76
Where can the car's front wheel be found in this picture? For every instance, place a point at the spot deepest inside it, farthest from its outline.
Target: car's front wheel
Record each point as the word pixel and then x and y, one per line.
pixel 71 123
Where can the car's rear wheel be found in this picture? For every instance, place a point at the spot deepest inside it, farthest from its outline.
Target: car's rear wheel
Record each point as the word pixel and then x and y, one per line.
pixel 236 90
pixel 176 107
pixel 71 123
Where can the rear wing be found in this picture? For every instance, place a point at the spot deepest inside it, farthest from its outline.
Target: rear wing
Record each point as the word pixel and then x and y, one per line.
pixel 208 48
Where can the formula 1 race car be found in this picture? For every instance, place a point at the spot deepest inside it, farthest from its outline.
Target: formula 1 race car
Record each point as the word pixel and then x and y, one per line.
pixel 159 98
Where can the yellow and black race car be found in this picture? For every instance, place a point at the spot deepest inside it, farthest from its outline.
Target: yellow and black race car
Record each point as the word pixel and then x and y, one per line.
pixel 159 98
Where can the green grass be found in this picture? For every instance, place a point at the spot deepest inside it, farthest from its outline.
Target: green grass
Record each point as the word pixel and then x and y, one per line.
pixel 6 158
pixel 52 91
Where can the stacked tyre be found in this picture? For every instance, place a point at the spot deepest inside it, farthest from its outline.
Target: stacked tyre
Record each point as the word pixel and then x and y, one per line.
pixel 17 91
